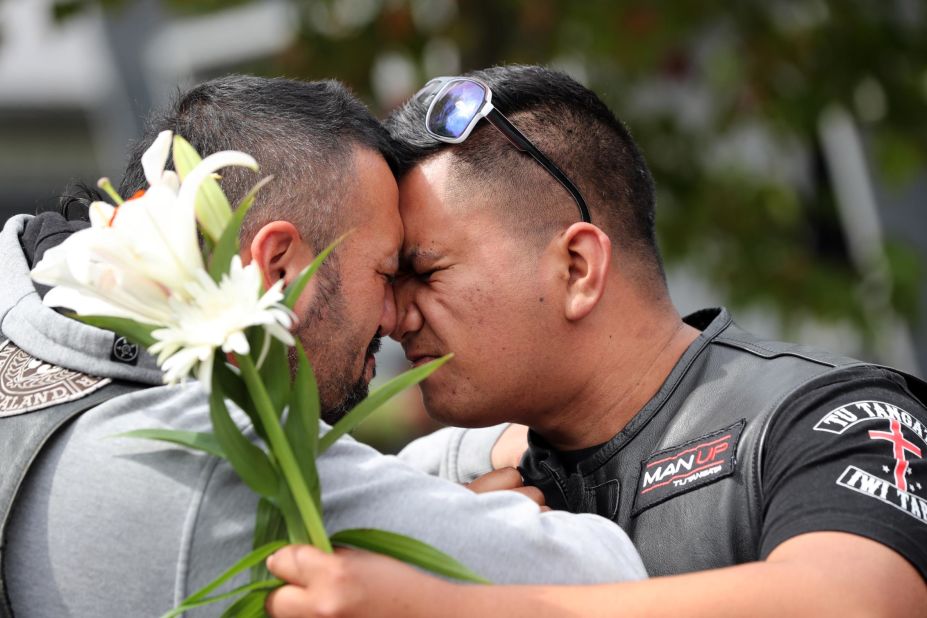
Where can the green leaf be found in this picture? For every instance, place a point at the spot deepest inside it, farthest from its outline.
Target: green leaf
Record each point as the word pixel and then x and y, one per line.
pixel 255 336
pixel 305 408
pixel 135 332
pixel 302 422
pixel 269 526
pixel 261 586
pixel 191 439
pixel 408 550
pixel 377 398
pixel 248 460
pixel 185 157
pixel 283 455
pixel 233 387
pixel 292 293
pixel 249 606
pixel 275 373
pixel 256 556
pixel 213 210
pixel 248 199
pixel 296 530
pixel 227 246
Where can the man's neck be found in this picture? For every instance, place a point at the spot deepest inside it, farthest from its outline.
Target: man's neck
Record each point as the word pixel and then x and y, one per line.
pixel 623 380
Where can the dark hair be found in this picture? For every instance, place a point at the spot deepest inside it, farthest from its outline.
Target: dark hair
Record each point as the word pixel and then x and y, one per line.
pixel 302 133
pixel 74 203
pixel 570 124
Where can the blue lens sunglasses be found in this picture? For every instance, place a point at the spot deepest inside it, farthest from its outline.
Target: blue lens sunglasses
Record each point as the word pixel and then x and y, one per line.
pixel 458 103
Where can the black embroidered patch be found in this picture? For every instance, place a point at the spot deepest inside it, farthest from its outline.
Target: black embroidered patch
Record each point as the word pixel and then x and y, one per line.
pixel 696 463
pixel 124 351
pixel 27 383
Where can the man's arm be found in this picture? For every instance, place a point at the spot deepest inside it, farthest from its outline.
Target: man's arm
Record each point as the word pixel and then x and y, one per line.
pixel 501 535
pixel 817 574
pixel 458 454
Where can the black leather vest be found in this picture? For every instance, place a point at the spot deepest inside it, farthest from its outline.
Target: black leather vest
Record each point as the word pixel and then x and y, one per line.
pixel 683 476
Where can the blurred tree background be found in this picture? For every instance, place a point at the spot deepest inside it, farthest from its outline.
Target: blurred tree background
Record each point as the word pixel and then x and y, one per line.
pixel 739 107
pixel 725 98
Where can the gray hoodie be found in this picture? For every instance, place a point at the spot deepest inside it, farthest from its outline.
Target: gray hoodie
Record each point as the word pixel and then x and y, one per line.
pixel 120 527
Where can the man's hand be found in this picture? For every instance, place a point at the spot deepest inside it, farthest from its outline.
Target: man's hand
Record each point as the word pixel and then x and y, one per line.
pixel 347 583
pixel 507 479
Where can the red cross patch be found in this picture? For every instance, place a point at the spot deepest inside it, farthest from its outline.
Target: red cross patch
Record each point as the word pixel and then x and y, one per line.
pixel 900 446
pixel 906 435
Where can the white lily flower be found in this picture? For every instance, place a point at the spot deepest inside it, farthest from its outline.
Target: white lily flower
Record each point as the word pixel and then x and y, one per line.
pixel 141 260
pixel 95 273
pixel 216 318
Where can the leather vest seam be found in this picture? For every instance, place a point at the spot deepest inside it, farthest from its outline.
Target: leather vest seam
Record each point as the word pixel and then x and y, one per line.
pixel 558 481
pixel 752 348
pixel 626 437
pixel 617 500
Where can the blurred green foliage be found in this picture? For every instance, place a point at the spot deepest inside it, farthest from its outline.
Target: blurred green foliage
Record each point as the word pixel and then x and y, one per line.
pixel 704 86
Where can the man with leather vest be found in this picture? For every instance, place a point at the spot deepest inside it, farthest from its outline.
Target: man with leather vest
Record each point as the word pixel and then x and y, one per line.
pixel 767 478
pixel 92 524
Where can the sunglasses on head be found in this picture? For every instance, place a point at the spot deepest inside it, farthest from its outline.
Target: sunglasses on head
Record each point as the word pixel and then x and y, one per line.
pixel 457 104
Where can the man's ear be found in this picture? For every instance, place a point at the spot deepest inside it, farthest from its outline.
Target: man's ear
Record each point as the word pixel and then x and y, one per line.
pixel 279 251
pixel 586 253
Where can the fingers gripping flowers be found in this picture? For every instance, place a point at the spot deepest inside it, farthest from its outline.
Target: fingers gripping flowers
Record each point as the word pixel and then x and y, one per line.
pixel 141 260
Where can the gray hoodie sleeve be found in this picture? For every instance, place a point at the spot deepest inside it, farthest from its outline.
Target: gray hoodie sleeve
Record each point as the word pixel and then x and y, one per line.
pixel 453 453
pixel 501 535
pixel 157 522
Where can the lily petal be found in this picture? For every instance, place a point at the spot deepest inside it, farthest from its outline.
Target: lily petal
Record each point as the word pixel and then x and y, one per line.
pixel 101 214
pixel 155 158
pixel 171 180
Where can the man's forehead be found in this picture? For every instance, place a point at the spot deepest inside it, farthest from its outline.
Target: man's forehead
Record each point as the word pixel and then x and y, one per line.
pixel 439 220
pixel 424 184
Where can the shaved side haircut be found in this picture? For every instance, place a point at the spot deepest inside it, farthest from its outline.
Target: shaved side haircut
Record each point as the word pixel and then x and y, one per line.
pixel 573 127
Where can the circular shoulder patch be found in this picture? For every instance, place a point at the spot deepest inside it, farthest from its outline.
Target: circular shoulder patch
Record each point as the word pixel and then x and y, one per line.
pixel 27 383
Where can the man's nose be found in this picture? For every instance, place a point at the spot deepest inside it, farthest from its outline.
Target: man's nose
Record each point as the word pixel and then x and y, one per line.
pixel 408 318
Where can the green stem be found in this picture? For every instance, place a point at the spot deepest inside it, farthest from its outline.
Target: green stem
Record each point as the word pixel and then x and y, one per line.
pixel 312 519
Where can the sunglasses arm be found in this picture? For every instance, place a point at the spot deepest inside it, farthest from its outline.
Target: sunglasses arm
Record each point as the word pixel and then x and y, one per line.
pixel 521 142
pixel 509 130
